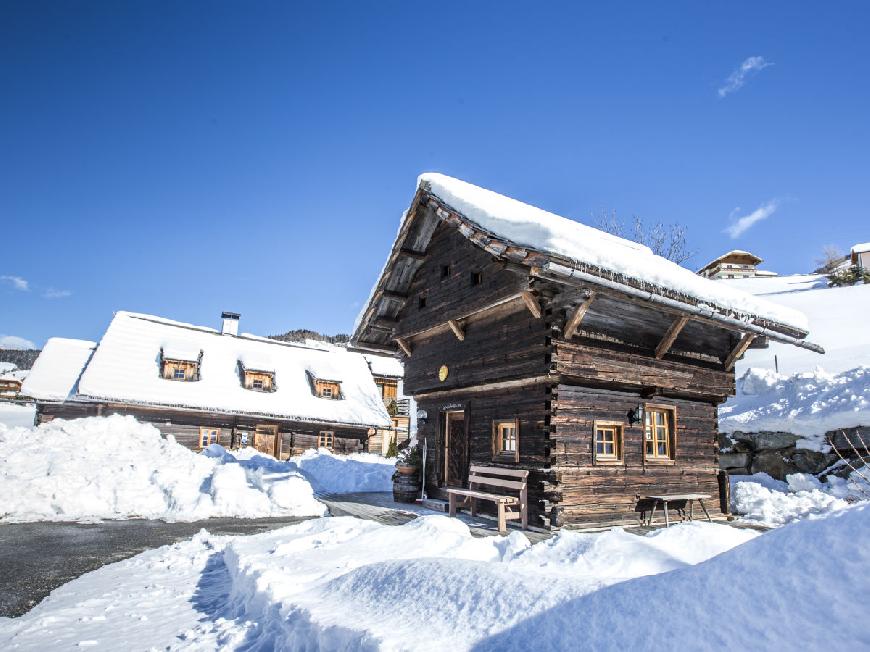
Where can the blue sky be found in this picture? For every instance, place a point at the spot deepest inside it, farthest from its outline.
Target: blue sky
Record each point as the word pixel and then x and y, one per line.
pixel 187 158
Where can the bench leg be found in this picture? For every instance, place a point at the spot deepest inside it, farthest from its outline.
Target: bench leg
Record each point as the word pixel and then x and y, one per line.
pixel 524 508
pixel 452 502
pixel 706 513
pixel 502 521
pixel 667 520
pixel 691 510
pixel 474 506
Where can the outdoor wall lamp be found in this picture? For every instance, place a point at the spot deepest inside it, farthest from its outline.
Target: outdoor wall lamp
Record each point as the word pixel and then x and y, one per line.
pixel 636 415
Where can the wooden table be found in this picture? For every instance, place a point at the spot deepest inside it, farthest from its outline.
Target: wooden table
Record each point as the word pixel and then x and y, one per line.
pixel 664 499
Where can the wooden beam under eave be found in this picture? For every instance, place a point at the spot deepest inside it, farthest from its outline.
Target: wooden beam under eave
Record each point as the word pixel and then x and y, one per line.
pixel 403 344
pixel 410 253
pixel 670 336
pixel 576 317
pixel 532 304
pixel 739 350
pixel 457 329
pixel 392 294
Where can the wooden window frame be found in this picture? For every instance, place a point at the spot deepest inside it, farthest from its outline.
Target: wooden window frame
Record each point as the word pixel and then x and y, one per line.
pixel 205 431
pixel 326 435
pixel 602 459
pixel 498 453
pixel 670 412
pixel 170 367
pixel 333 386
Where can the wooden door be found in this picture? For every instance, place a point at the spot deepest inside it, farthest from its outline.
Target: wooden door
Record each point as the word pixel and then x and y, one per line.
pixel 455 449
pixel 266 440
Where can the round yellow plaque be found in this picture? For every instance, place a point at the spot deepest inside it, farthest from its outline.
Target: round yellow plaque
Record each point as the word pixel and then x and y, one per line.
pixel 442 373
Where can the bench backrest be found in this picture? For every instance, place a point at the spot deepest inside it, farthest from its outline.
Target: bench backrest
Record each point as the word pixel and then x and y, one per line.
pixel 493 476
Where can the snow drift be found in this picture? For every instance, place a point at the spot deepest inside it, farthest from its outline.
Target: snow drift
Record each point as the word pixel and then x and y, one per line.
pixel 115 467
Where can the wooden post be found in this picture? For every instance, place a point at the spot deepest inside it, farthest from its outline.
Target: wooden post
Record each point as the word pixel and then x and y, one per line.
pixel 670 336
pixel 406 348
pixel 576 317
pixel 458 331
pixel 532 304
pixel 739 350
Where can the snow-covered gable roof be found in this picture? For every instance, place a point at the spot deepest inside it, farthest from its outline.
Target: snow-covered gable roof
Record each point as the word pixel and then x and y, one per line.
pixel 385 365
pixel 14 375
pixel 57 369
pixel 7 366
pixel 125 368
pixel 562 249
pixel 861 248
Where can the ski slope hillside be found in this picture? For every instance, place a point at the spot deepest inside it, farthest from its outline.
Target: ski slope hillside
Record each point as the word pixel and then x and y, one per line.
pixel 839 320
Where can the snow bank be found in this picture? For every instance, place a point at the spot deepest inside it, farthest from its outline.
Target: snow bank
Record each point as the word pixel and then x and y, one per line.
pixel 758 498
pixel 14 415
pixel 114 467
pixel 838 318
pixel 805 404
pixel 338 474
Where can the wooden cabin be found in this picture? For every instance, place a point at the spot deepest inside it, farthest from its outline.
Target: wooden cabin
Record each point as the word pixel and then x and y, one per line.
pixel 206 386
pixel 534 342
pixel 860 256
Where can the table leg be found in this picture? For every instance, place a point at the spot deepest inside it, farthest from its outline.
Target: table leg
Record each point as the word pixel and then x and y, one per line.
pixel 691 510
pixel 667 520
pixel 706 513
pixel 652 512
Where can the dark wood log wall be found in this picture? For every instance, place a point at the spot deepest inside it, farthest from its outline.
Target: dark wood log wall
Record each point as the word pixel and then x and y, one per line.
pixel 296 437
pixel 529 405
pixel 454 295
pixel 505 343
pixel 594 495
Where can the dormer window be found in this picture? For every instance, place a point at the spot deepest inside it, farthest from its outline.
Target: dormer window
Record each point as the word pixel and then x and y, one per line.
pixel 257 379
pixel 180 362
pixel 327 389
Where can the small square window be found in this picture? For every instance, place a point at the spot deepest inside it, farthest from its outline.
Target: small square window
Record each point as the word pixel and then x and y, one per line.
pixel 325 439
pixel 608 442
pixel 178 374
pixel 326 392
pixel 208 436
pixel 445 271
pixel 257 384
pixel 476 278
pixel 506 440
pixel 421 301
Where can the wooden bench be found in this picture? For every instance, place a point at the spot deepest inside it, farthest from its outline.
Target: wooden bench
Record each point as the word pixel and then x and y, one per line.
pixel 509 507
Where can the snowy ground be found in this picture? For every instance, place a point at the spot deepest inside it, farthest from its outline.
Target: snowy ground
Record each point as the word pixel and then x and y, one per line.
pixel 342 583
pixel 345 583
pixel 114 467
pixel 15 415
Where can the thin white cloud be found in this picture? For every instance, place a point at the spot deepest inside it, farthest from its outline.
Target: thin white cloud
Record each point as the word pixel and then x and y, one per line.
pixel 52 293
pixel 16 282
pixel 736 79
pixel 15 342
pixel 745 222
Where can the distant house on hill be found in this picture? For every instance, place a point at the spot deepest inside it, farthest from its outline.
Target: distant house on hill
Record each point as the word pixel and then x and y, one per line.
pixel 206 386
pixel 861 256
pixel 734 264
pixel 10 380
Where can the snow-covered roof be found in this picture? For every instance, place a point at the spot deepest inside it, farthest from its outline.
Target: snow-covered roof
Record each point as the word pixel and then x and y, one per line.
pixel 7 366
pixel 14 375
pixel 125 368
pixel 734 253
pixel 861 248
pixel 57 369
pixel 385 365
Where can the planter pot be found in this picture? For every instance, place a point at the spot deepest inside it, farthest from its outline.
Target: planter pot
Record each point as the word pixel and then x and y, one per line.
pixel 406 470
pixel 406 487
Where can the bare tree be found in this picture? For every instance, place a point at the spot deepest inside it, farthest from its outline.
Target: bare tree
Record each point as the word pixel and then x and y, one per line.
pixel 831 257
pixel 666 240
